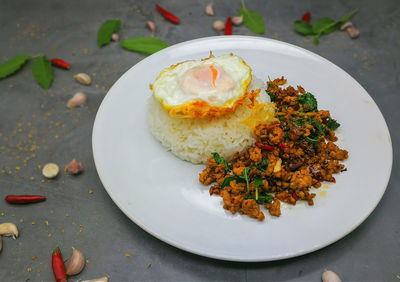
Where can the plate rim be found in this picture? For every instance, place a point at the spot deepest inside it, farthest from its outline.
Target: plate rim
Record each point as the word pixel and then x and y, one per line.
pixel 99 170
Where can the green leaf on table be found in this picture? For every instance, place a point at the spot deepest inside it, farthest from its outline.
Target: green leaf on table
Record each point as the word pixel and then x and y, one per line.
pixel 323 26
pixel 106 31
pixel 252 20
pixel 43 72
pixel 146 45
pixel 11 66
pixel 346 17
pixel 303 27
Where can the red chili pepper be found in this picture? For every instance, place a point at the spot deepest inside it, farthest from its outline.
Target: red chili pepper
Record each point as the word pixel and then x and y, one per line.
pixel 57 264
pixel 60 63
pixel 306 17
pixel 325 121
pixel 24 199
pixel 228 26
pixel 294 195
pixel 265 147
pixel 283 146
pixel 333 180
pixel 168 15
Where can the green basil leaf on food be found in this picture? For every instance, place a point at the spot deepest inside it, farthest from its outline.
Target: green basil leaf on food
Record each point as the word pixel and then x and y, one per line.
pixel 146 45
pixel 13 65
pixel 106 31
pixel 227 181
pixel 309 102
pixel 220 160
pixel 43 72
pixel 252 20
pixel 303 27
pixel 346 17
pixel 323 26
pixel 258 181
pixel 332 124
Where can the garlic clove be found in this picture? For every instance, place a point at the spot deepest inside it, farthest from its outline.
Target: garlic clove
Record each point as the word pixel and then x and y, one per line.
pixel 50 170
pixel 9 229
pixel 353 32
pixel 115 37
pixel 209 10
pixel 151 25
pixel 330 276
pixel 77 100
pixel 219 25
pixel 238 20
pixel 101 279
pixel 83 78
pixel 74 167
pixel 76 263
pixel 346 25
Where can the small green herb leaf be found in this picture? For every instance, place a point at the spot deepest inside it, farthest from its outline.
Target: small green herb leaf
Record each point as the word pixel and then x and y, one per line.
pixel 106 31
pixel 147 45
pixel 220 160
pixel 11 66
pixel 252 20
pixel 303 27
pixel 332 124
pixel 263 165
pixel 346 17
pixel 271 96
pixel 323 26
pixel 309 102
pixel 43 72
pixel 262 199
pixel 258 181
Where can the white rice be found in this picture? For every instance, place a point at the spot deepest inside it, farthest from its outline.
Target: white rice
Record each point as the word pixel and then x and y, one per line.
pixel 194 140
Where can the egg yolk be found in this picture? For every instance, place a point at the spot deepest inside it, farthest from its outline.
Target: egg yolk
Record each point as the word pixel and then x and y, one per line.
pixel 207 80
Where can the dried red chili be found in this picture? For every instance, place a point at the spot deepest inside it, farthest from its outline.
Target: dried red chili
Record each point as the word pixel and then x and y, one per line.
pixel 168 15
pixel 306 17
pixel 228 26
pixel 57 264
pixel 265 147
pixel 24 199
pixel 333 180
pixel 59 63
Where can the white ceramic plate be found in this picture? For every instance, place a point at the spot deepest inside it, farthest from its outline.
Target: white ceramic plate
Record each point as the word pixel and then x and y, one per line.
pixel 162 195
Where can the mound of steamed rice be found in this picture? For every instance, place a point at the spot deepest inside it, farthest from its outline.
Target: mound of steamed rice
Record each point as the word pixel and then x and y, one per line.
pixel 194 140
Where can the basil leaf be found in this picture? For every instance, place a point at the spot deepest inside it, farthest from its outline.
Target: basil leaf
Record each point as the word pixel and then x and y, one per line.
pixel 220 160
pixel 346 17
pixel 303 27
pixel 43 72
pixel 147 45
pixel 323 26
pixel 258 181
pixel 11 66
pixel 106 31
pixel 309 102
pixel 263 165
pixel 252 20
pixel 315 39
pixel 332 124
pixel 262 199
pixel 271 96
pixel 227 181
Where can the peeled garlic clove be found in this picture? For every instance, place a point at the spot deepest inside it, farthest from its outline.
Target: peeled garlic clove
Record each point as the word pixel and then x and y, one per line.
pixel 353 32
pixel 77 100
pixel 9 229
pixel 76 263
pixel 330 276
pixel 209 10
pixel 237 20
pixel 83 78
pixel 101 279
pixel 74 167
pixel 346 25
pixel 152 26
pixel 219 25
pixel 115 37
pixel 50 170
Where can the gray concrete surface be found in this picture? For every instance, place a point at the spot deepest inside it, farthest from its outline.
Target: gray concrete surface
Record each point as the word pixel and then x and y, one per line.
pixel 36 128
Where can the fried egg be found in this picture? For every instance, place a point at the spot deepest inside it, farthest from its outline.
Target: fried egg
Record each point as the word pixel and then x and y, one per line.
pixel 206 88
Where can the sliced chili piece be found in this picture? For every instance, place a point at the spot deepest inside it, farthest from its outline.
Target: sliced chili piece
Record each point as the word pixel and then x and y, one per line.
pixel 306 17
pixel 167 15
pixel 333 180
pixel 60 63
pixel 228 26
pixel 265 147
pixel 294 195
pixel 283 146
pixel 24 199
